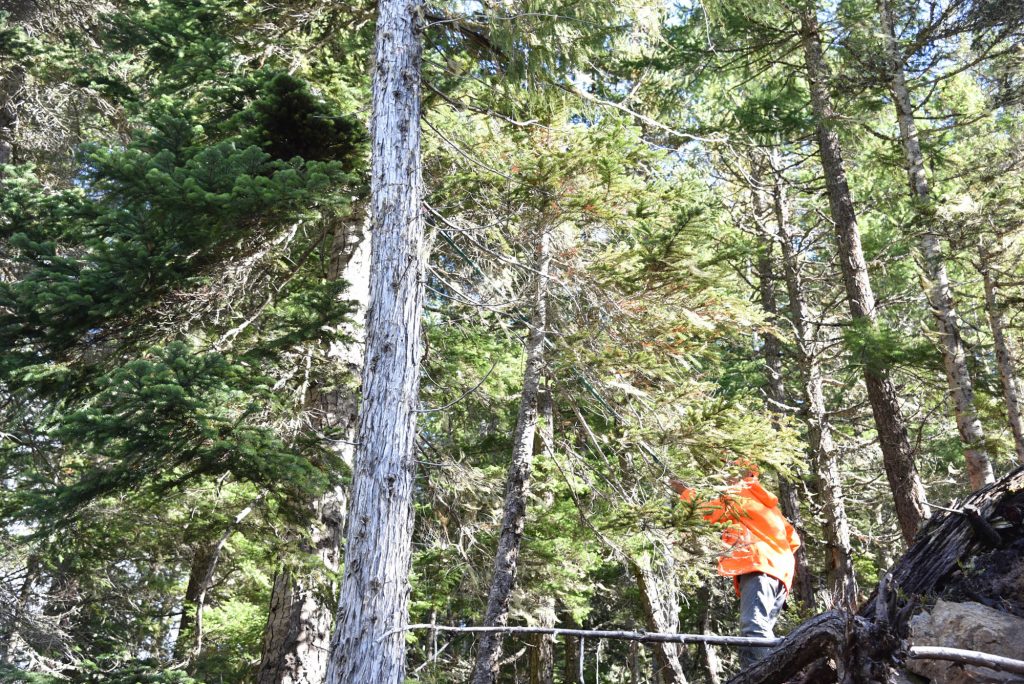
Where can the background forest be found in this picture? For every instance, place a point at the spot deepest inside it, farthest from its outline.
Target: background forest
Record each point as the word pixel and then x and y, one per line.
pixel 662 236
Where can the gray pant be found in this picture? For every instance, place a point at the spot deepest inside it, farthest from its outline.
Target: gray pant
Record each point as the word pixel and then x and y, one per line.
pixel 761 600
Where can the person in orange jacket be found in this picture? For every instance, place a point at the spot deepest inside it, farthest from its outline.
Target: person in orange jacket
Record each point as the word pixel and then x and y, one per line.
pixel 760 552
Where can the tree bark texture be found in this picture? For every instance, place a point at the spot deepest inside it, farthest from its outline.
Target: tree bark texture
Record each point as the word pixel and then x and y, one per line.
pixel 572 674
pixel 775 391
pixel 296 640
pixel 659 595
pixel 1003 352
pixel 901 471
pixel 824 457
pixel 517 483
pixel 938 291
pixel 542 655
pixel 375 588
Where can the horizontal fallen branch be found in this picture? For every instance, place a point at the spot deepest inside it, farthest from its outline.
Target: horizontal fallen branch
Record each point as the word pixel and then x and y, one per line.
pixel 959 655
pixel 604 634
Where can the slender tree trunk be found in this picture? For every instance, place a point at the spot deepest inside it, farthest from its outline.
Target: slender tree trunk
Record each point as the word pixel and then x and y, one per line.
pixel 824 457
pixel 517 483
pixel 542 656
pixel 572 661
pixel 1004 355
pixel 940 295
pixel 297 637
pixel 659 594
pixel 904 481
pixel 803 581
pixel 190 627
pixel 710 654
pixel 368 646
pixel 10 636
pixel 189 643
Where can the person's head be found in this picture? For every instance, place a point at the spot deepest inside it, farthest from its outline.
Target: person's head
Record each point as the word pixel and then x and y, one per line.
pixel 742 469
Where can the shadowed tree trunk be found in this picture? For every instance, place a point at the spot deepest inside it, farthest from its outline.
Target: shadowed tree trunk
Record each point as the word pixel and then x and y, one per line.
pixel 1004 355
pixel 900 469
pixel 368 646
pixel 189 643
pixel 824 457
pixel 517 483
pixel 297 637
pixel 940 295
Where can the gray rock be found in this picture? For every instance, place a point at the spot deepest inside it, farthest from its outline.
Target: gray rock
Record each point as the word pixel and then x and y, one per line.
pixel 969 626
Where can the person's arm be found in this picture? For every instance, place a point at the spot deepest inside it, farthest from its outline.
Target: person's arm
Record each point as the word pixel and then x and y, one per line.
pixel 712 511
pixel 793 537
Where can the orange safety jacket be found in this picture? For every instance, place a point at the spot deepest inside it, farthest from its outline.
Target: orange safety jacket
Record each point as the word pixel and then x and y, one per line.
pixel 760 539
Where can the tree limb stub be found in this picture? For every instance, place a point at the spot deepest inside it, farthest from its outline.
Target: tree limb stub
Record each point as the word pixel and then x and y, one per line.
pixel 959 655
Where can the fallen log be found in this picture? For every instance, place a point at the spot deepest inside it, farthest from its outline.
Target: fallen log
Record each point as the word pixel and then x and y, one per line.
pixel 822 635
pixel 945 542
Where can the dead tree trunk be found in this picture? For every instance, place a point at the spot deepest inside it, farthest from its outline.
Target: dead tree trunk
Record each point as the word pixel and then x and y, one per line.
pixel 375 588
pixel 939 292
pixel 908 492
pixel 824 457
pixel 1004 355
pixel 517 484
pixel 297 637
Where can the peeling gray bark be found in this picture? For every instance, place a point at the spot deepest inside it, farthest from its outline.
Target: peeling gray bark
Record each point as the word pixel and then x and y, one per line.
pixel 368 645
pixel 898 457
pixel 1003 352
pixel 824 456
pixel 939 291
pixel 296 640
pixel 517 482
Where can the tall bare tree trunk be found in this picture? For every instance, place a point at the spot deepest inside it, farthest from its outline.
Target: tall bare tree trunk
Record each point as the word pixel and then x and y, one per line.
pixel 542 655
pixel 1004 354
pixel 297 637
pixel 900 469
pixel 803 581
pixel 940 295
pixel 368 646
pixel 517 483
pixel 824 457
